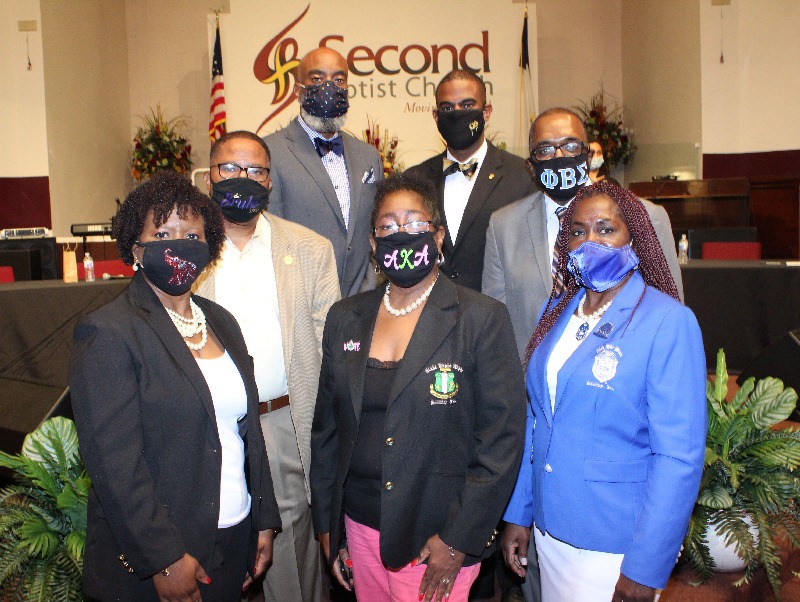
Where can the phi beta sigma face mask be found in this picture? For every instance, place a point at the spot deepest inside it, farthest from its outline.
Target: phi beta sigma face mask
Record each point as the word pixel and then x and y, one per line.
pixel 406 258
pixel 561 177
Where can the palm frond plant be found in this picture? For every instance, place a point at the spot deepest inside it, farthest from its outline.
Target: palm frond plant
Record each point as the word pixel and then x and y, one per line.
pixel 43 517
pixel 749 476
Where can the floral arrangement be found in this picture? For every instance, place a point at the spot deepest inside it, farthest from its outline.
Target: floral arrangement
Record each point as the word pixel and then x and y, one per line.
pixel 386 145
pixel 160 145
pixel 606 127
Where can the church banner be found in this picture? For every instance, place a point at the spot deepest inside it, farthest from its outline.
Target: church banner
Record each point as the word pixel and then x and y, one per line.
pixel 396 53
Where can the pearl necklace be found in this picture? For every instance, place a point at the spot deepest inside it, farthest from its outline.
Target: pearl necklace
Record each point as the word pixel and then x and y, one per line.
pixel 409 308
pixel 583 330
pixel 188 327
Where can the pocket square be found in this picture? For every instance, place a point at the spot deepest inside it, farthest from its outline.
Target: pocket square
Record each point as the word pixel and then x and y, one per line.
pixel 368 177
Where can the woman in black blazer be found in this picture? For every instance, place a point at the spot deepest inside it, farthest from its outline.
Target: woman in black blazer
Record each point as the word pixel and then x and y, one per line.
pixel 417 432
pixel 165 402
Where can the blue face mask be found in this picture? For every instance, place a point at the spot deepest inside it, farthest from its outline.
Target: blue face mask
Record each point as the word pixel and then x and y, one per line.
pixel 599 267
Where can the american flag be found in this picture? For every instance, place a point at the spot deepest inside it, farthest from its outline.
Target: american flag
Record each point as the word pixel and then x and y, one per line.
pixel 216 126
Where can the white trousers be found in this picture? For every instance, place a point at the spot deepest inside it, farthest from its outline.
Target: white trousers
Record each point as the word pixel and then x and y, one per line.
pixel 570 574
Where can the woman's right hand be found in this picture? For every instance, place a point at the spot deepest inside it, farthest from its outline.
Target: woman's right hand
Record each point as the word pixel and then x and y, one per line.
pixel 336 568
pixel 181 583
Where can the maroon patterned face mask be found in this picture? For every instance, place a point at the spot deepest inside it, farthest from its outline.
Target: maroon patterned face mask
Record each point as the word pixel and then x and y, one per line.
pixel 174 265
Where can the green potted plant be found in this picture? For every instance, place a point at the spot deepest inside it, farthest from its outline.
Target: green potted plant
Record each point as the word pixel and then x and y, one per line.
pixel 43 517
pixel 158 145
pixel 749 493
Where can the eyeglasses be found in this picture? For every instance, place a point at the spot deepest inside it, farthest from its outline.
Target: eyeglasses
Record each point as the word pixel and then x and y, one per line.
pixel 570 148
pixel 418 227
pixel 231 170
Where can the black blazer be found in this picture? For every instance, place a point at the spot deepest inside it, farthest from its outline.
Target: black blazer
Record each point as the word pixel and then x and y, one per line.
pixel 149 440
pixel 452 452
pixel 503 179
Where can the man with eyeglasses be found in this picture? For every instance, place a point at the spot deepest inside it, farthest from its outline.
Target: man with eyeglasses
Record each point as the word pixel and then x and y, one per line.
pixel 322 177
pixel 520 241
pixel 472 176
pixel 278 279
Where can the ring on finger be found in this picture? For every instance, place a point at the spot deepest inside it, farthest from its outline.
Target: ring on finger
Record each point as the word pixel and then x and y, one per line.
pixel 445 580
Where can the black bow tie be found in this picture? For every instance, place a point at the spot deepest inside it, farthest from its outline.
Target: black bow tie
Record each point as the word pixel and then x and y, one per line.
pixel 325 146
pixel 468 169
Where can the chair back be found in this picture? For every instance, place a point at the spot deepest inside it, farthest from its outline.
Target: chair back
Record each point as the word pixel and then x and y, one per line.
pixel 697 236
pixel 6 273
pixel 112 267
pixel 731 250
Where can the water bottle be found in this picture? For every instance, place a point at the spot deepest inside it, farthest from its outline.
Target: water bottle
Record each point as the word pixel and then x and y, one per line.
pixel 88 267
pixel 683 250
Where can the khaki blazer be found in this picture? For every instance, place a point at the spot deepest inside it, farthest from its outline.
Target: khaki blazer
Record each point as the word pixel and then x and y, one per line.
pixel 305 275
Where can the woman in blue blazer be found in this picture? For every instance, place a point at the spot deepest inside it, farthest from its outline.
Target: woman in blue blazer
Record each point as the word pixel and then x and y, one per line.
pixel 616 423
pixel 416 435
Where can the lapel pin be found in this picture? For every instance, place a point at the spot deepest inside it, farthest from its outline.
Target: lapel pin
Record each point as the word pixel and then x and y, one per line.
pixel 352 345
pixel 288 260
pixel 491 176
pixel 605 330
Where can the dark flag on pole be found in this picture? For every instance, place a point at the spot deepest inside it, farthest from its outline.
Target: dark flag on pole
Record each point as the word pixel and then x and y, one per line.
pixel 527 101
pixel 216 126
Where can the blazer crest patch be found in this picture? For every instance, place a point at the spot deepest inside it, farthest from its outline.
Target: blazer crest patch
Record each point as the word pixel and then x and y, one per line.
pixel 605 363
pixel 444 384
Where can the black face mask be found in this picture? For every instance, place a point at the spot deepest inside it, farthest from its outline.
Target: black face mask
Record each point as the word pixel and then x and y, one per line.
pixel 406 258
pixel 241 199
pixel 326 100
pixel 174 265
pixel 560 178
pixel 460 129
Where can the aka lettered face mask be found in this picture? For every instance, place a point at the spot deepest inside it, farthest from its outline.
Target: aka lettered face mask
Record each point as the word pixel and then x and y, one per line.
pixel 406 258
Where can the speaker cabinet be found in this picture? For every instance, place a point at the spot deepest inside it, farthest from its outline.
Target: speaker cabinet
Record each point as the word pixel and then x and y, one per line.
pixel 43 262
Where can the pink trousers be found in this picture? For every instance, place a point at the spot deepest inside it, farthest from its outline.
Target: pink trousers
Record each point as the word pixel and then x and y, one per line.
pixel 374 581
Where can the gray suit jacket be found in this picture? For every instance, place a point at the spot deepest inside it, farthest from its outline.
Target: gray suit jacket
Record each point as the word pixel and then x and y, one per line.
pixel 517 266
pixel 306 281
pixel 302 192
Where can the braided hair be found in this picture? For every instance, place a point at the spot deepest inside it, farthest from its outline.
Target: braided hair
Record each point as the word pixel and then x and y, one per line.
pixel 653 264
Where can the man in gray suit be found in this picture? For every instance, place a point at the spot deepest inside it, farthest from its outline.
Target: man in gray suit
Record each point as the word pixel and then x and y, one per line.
pixel 322 177
pixel 520 239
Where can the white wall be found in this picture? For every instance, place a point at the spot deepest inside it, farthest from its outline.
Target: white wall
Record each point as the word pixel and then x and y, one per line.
pixel 22 102
pixel 580 51
pixel 750 102
pixel 86 87
pixel 662 86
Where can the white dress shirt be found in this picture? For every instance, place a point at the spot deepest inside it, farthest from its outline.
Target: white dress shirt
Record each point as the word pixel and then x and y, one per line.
pixel 337 171
pixel 245 286
pixel 457 188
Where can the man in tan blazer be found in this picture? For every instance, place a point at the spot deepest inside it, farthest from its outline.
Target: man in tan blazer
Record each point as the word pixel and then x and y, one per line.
pixel 278 279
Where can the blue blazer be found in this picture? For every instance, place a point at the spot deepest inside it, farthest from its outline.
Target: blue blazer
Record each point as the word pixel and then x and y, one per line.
pixel 617 467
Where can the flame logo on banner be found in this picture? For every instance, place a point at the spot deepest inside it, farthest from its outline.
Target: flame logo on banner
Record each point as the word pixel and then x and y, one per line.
pixel 283 53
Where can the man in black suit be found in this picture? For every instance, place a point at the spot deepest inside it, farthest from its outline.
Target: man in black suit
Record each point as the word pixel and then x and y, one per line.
pixel 473 177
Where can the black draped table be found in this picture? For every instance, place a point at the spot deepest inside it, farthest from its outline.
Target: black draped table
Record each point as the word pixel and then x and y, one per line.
pixel 36 322
pixel 37 318
pixel 742 306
